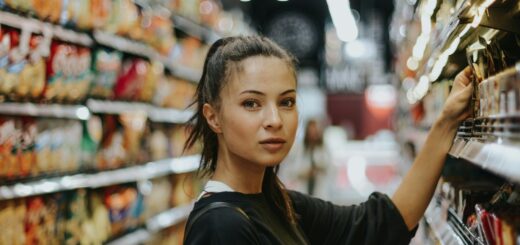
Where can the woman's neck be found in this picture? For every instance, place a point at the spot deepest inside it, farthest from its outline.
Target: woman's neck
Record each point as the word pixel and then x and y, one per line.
pixel 242 176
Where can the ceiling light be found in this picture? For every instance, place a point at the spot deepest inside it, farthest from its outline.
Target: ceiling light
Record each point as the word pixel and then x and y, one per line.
pixel 343 20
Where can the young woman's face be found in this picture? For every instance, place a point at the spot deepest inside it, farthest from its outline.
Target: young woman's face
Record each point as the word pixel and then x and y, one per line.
pixel 258 114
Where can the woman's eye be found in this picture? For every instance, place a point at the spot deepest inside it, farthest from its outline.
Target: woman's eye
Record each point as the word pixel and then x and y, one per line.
pixel 250 104
pixel 288 102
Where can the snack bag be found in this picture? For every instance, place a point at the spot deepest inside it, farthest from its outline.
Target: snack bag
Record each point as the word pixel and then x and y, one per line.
pixel 81 76
pixel 100 12
pixel 92 134
pixel 27 157
pixel 131 79
pixel 48 10
pixel 9 135
pixel 155 72
pixel 5 46
pixel 58 70
pixel 111 153
pixel 17 62
pixel 106 67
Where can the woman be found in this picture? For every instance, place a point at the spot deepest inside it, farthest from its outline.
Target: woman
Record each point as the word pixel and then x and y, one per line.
pixel 247 118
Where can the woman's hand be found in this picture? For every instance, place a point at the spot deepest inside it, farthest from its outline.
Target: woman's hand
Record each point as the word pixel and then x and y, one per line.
pixel 456 107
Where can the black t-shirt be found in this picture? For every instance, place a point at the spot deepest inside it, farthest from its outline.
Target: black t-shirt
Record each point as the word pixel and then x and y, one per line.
pixel 376 221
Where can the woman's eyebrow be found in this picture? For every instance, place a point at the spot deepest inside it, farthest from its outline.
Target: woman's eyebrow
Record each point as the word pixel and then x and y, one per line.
pixel 288 91
pixel 263 94
pixel 252 92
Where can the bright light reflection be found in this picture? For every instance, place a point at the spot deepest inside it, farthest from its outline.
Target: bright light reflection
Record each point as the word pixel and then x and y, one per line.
pixel 343 20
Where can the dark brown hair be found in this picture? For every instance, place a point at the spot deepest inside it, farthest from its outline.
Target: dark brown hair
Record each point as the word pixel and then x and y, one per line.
pixel 222 57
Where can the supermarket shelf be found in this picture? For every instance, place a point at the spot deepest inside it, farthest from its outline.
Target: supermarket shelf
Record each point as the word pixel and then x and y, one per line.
pixel 183 72
pixel 38 26
pixel 462 230
pixel 106 178
pixel 155 114
pixel 447 226
pixel 124 44
pixel 45 110
pixel 167 115
pixel 116 107
pixel 169 218
pixel 445 234
pixel 136 237
pixel 195 29
pixel 155 224
pixel 497 158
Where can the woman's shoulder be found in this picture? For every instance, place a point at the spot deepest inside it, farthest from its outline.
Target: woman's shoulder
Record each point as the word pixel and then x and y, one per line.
pixel 218 220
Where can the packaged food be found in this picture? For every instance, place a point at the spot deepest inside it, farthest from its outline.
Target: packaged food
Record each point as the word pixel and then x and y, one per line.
pixel 96 229
pixel 21 5
pixel 40 221
pixel 81 76
pixel 17 61
pixel 77 13
pixel 106 66
pixel 12 221
pixel 159 34
pixel 134 126
pixel 155 72
pixel 58 70
pixel 132 78
pixel 76 215
pixel 100 12
pixel 48 10
pixel 27 157
pixel 111 152
pixel 174 93
pixel 157 196
pixel 5 46
pixel 92 135
pixel 40 50
pixel 124 204
pixel 158 143
pixel 209 12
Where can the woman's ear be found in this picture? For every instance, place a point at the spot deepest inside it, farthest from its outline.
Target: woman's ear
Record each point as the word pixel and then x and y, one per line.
pixel 211 117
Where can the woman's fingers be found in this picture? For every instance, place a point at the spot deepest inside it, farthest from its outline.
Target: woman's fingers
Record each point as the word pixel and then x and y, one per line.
pixel 463 79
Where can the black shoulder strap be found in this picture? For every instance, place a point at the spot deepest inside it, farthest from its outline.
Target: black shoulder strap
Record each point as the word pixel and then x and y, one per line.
pixel 209 207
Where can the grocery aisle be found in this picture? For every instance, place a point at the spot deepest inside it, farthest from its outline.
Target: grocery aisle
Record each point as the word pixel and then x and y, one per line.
pixel 95 97
pixel 92 118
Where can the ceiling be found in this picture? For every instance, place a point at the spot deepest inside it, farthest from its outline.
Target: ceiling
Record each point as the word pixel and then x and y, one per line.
pixel 263 13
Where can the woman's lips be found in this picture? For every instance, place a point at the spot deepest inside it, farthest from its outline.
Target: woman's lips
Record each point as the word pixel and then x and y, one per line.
pixel 273 144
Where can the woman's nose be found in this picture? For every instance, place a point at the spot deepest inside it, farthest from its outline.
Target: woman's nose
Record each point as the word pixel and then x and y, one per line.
pixel 272 118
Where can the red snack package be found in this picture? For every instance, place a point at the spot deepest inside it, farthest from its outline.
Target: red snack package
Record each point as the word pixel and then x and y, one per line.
pixel 131 79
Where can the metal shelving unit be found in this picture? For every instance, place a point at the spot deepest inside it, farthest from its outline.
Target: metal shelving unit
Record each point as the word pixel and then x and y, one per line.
pixel 447 228
pixel 500 159
pixel 155 224
pixel 79 112
pixel 38 26
pixel 155 114
pixel 114 41
pixel 195 29
pixel 105 178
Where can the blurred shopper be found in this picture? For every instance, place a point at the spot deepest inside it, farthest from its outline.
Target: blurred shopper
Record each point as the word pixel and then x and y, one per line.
pixel 306 167
pixel 247 117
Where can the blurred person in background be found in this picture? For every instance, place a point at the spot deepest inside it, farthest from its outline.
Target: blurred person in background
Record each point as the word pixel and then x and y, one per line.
pixel 306 167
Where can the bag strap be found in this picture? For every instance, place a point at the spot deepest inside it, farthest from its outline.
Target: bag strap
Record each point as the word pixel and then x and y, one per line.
pixel 211 206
